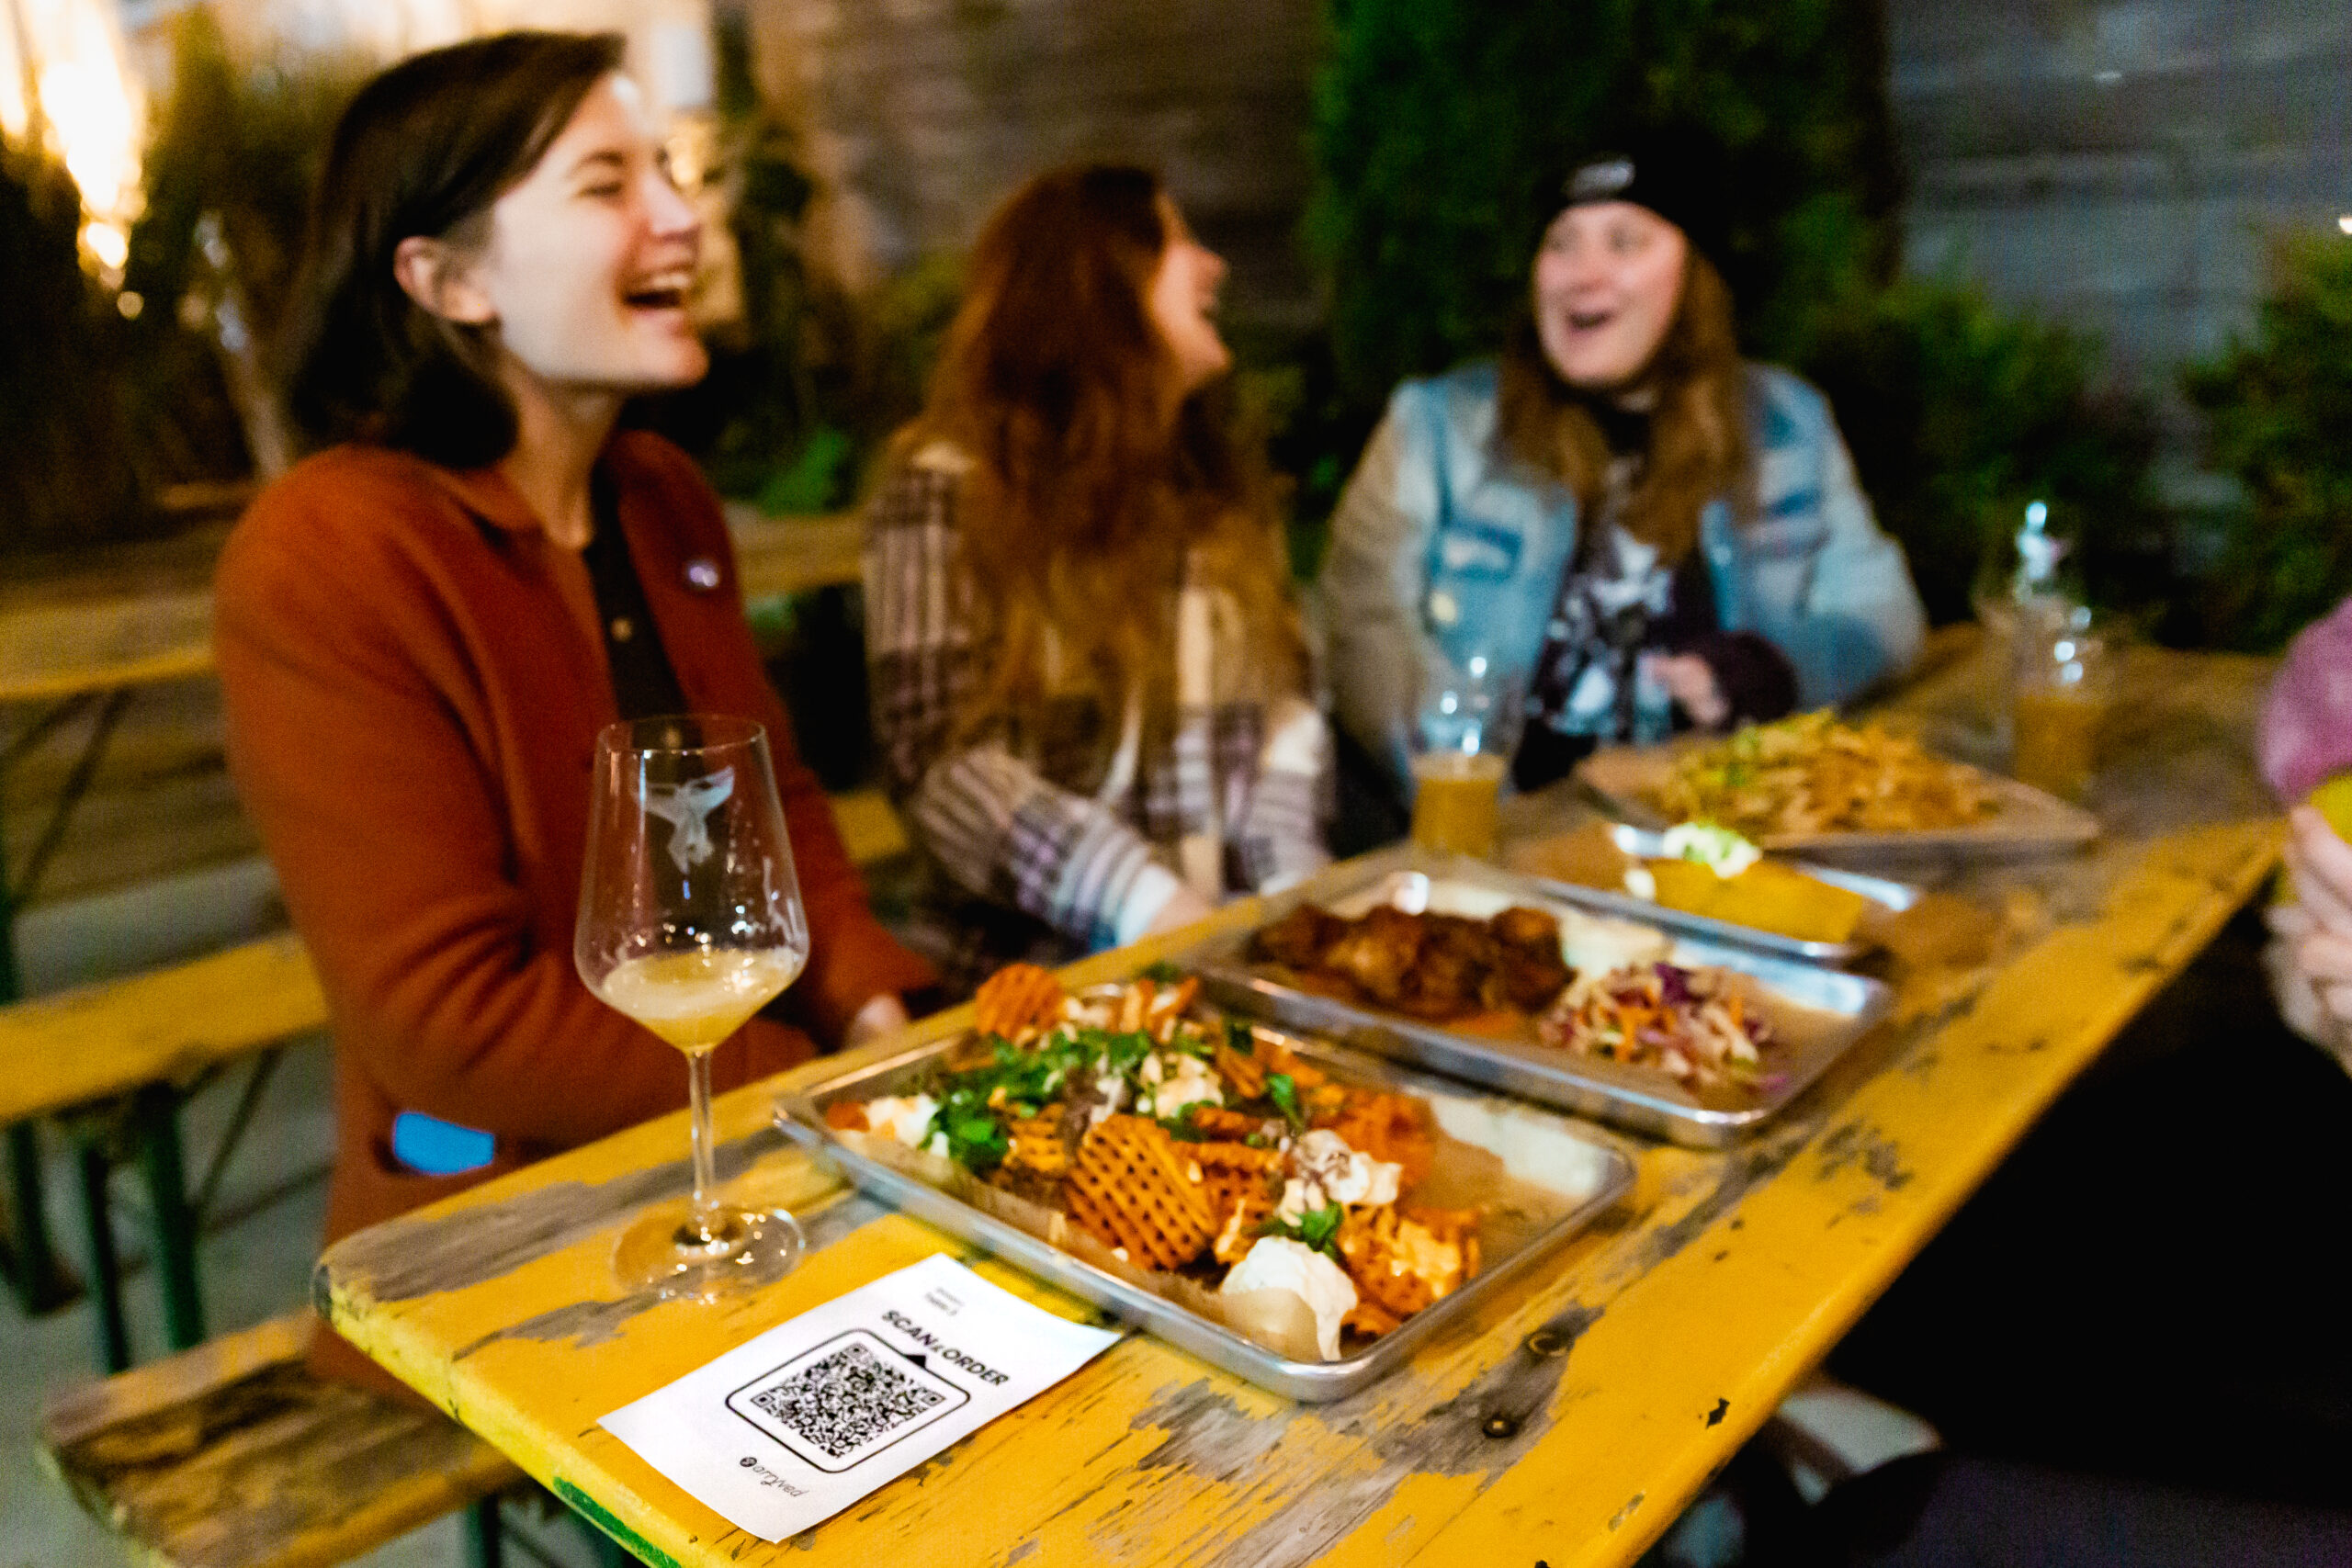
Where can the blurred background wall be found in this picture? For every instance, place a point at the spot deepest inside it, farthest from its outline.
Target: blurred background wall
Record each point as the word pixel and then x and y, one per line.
pixel 2080 251
pixel 2121 166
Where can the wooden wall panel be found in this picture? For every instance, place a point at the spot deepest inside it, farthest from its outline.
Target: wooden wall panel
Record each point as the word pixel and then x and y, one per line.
pixel 925 113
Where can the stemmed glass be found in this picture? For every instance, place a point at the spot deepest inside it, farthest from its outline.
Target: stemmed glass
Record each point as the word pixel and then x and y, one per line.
pixel 690 923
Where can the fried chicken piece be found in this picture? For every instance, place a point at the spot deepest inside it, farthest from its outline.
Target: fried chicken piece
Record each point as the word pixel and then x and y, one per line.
pixel 1528 970
pixel 1430 966
pixel 1298 939
pixel 1378 954
pixel 1448 976
pixel 846 1116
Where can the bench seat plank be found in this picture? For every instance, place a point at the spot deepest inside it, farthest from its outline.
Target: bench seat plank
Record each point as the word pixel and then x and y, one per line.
pixel 162 1027
pixel 233 1456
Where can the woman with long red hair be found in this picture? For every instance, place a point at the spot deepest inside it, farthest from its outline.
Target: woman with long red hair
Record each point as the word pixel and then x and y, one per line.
pixel 1089 681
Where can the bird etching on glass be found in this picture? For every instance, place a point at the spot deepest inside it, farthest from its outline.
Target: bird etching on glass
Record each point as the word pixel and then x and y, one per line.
pixel 687 808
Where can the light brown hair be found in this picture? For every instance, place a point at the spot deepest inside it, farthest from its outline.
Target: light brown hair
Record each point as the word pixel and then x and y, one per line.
pixel 1093 480
pixel 1698 443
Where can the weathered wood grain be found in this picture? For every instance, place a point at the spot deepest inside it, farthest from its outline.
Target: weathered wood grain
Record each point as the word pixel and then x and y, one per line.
pixel 1570 1422
pixel 233 1456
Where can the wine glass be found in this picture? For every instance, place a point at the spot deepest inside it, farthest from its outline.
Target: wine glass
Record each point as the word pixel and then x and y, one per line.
pixel 690 923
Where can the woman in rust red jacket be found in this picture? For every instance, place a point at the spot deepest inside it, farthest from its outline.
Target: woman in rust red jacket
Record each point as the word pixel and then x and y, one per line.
pixel 423 628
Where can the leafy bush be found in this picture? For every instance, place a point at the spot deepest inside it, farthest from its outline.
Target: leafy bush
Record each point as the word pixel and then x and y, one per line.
pixel 65 473
pixel 805 388
pixel 1959 414
pixel 236 151
pixel 1439 124
pixel 2279 413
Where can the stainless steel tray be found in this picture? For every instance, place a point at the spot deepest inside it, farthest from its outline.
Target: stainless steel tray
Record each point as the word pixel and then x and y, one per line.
pixel 1643 844
pixel 1556 1175
pixel 1817 1012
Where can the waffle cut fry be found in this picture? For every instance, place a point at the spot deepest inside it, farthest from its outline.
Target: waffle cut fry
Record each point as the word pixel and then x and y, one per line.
pixel 1037 1146
pixel 1233 1175
pixel 1017 997
pixel 1403 1262
pixel 1130 1190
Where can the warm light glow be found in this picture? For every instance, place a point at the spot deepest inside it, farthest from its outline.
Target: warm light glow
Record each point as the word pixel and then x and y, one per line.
pixel 109 244
pixel 88 108
pixel 2344 224
pixel 15 114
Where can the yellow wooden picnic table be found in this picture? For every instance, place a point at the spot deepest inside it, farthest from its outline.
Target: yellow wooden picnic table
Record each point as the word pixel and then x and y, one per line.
pixel 1676 1325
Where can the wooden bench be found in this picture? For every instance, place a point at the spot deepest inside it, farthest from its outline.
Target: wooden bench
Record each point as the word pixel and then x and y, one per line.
pixel 233 1456
pixel 114 1062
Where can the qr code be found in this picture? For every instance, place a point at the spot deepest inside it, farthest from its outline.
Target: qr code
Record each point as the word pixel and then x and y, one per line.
pixel 846 1401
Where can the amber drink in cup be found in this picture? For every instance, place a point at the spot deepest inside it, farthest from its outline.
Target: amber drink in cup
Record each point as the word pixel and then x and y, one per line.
pixel 1456 799
pixel 1467 726
pixel 2065 686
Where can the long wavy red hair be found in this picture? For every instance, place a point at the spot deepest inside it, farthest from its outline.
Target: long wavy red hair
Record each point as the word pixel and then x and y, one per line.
pixel 1094 477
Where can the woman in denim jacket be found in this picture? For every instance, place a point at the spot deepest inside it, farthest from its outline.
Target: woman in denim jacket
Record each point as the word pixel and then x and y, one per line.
pixel 1631 526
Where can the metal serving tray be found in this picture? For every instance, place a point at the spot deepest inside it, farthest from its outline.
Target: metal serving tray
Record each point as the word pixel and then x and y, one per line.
pixel 1643 844
pixel 1817 1012
pixel 1556 1175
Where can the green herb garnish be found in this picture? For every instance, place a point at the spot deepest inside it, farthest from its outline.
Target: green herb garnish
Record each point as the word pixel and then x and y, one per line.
pixel 978 1142
pixel 1318 1228
pixel 1164 973
pixel 1284 1091
pixel 1238 1035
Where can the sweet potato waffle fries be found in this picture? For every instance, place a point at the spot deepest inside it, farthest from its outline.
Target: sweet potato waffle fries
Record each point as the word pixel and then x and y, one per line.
pixel 1187 1145
pixel 1812 774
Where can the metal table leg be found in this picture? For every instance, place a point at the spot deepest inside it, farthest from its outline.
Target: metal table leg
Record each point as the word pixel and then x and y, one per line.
pixel 106 1264
pixel 485 1547
pixel 34 1272
pixel 158 1118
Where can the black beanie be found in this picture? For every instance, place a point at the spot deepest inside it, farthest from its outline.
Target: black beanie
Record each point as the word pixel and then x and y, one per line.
pixel 1676 175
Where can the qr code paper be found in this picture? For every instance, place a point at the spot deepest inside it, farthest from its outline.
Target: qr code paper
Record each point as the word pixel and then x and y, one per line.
pixel 854 1396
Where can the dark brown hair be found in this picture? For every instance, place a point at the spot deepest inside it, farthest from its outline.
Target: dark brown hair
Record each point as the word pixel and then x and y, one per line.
pixel 424 149
pixel 1698 449
pixel 1091 481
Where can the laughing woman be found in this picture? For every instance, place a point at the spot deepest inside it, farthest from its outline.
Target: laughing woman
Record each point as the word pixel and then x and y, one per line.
pixel 1089 679
pixel 1634 527
pixel 422 628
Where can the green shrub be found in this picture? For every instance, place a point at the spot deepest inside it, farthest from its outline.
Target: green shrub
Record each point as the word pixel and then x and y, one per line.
pixel 65 472
pixel 237 149
pixel 805 390
pixel 2280 419
pixel 1438 124
pixel 1958 414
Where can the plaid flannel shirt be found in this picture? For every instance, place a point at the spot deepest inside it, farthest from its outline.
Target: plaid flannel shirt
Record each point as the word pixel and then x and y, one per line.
pixel 1043 819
